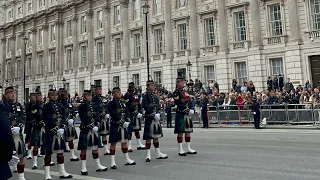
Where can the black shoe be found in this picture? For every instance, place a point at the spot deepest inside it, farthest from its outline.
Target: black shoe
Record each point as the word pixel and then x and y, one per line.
pixel 72 160
pixel 182 154
pixel 128 164
pixel 66 177
pixel 130 150
pixel 84 173
pixel 162 157
pixel 148 160
pixel 141 148
pixel 48 179
pixel 15 171
pixel 39 155
pixel 29 157
pixel 34 167
pixel 114 167
pixel 192 152
pixel 66 150
pixel 52 164
pixel 102 170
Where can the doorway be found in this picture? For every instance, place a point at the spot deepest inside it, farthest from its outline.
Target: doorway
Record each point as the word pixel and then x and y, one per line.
pixel 315 69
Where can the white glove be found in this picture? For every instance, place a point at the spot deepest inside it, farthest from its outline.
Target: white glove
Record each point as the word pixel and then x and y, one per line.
pixel 70 122
pixel 60 131
pixel 95 129
pixel 14 161
pixel 15 130
pixel 157 117
pixel 139 116
pixel 191 111
pixel 126 124
pixel 254 113
pixel 107 116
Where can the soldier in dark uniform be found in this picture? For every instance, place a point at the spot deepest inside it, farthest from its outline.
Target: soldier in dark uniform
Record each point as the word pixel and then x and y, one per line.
pixel 28 127
pixel 183 121
pixel 89 138
pixel 256 113
pixel 169 105
pixel 152 126
pixel 118 127
pixel 204 110
pixel 54 117
pixel 102 110
pixel 70 131
pixel 132 101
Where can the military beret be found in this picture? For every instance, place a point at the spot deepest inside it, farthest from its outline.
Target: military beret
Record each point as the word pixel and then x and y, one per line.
pixel 116 89
pixel 86 92
pixel 52 91
pixel 98 87
pixel 9 89
pixel 33 94
pixel 38 93
pixel 150 82
pixel 179 79
pixel 131 83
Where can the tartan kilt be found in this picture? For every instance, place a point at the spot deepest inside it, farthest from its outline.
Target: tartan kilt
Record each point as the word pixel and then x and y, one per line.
pixel 104 127
pixel 35 139
pixel 89 140
pixel 152 129
pixel 118 134
pixel 19 146
pixel 52 143
pixel 70 133
pixel 183 123
pixel 135 123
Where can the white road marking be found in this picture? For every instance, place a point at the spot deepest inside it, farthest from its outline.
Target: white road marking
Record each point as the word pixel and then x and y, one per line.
pixel 53 173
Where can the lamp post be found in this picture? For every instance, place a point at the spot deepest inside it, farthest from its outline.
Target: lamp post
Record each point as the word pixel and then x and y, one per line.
pixel 145 8
pixel 64 83
pixel 25 40
pixel 189 68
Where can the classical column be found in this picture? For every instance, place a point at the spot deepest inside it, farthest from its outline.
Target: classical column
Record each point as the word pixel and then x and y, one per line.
pixel 45 42
pixel 90 51
pixel 107 36
pixel 125 29
pixel 59 48
pixel 256 24
pixel 34 65
pixel 294 21
pixel 194 28
pixel 3 57
pixel 168 29
pixel 13 56
pixel 75 49
pixel 223 27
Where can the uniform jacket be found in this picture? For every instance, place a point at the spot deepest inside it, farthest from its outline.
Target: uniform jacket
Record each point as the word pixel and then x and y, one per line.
pixel 132 100
pixel 182 100
pixel 150 103
pixel 51 112
pixel 88 115
pixel 34 113
pixel 116 108
pixel 69 108
pixel 204 104
pixel 256 108
pixel 16 114
pixel 101 103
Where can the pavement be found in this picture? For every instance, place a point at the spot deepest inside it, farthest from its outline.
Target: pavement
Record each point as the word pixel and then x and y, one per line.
pixel 223 154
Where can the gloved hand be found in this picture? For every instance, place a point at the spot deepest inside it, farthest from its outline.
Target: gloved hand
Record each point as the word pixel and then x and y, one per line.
pixel 107 116
pixel 254 113
pixel 139 116
pixel 191 112
pixel 54 130
pixel 187 111
pixel 60 131
pixel 157 117
pixel 90 126
pixel 15 130
pixel 70 122
pixel 14 161
pixel 126 124
pixel 95 129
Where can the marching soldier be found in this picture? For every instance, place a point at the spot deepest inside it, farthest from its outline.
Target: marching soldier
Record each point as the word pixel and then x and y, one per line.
pixel 71 133
pixel 17 121
pixel 118 127
pixel 54 118
pixel 204 110
pixel 132 101
pixel 256 113
pixel 89 138
pixel 152 127
pixel 28 127
pixel 102 109
pixel 183 121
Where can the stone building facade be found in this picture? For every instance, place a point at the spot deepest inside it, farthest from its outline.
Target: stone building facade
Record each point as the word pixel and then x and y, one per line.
pixel 103 42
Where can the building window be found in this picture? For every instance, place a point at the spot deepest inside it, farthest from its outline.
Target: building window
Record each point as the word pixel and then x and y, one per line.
pixel 29 39
pixel 240 26
pixel 136 10
pixel 40 63
pixel 29 67
pixel 67 87
pixel 181 3
pixel 136 79
pixel 209 31
pixel 18 42
pixel 158 77
pixel 275 23
pixel 8 70
pixel 10 14
pixel 209 74
pixel 157 7
pixel 83 25
pixel 117 16
pixel 29 7
pixel 241 72
pixel 18 68
pixel 99 18
pixel 19 11
pixel 182 73
pixel 83 56
pixel 53 33
pixel 99 52
pixel 69 59
pixel 116 81
pixel 98 82
pixel 41 3
pixel 53 62
pixel 41 36
pixel 69 28
pixel 8 46
pixel 315 13
pixel 158 41
pixel 81 86
pixel 137 45
pixel 276 67
pixel 183 39
pixel 118 49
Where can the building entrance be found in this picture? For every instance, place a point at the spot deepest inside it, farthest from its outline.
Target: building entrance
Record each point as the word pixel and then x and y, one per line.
pixel 315 70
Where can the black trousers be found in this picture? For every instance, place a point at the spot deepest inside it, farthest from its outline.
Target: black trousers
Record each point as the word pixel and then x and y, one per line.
pixel 205 120
pixel 169 120
pixel 256 119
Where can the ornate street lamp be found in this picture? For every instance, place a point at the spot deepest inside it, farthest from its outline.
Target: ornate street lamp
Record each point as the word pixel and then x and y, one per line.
pixel 189 64
pixel 25 40
pixel 145 8
pixel 64 82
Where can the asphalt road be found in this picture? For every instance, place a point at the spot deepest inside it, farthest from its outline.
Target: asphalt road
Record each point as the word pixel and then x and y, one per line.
pixel 223 154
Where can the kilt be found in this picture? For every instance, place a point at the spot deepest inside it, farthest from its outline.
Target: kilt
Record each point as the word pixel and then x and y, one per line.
pixel 104 127
pixel 35 139
pixel 135 123
pixel 52 143
pixel 89 140
pixel 152 129
pixel 27 131
pixel 118 134
pixel 70 133
pixel 183 123
pixel 19 146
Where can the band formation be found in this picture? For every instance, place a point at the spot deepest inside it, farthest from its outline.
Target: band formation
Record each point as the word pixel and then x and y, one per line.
pixel 49 128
